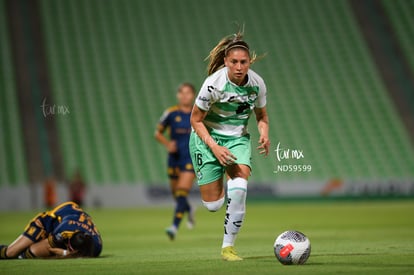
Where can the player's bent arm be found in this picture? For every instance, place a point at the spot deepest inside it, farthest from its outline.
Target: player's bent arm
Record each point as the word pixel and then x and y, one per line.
pixel 159 135
pixel 223 155
pixel 196 120
pixel 62 253
pixel 43 250
pixel 263 127
pixel 170 145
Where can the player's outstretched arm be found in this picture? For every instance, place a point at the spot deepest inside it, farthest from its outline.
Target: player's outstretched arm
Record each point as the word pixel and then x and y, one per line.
pixel 263 127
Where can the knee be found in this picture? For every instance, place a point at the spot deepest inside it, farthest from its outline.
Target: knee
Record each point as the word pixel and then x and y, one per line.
pixel 214 206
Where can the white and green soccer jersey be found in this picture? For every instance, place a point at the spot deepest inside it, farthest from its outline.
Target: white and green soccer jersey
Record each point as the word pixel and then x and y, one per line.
pixel 229 106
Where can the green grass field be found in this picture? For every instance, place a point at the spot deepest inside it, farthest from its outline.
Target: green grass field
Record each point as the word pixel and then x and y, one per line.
pixel 374 237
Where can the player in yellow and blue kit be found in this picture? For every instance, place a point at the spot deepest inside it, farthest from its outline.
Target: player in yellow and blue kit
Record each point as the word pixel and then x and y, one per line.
pixel 66 231
pixel 176 120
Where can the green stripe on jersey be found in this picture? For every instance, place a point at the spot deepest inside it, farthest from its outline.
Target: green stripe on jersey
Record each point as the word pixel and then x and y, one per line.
pixel 240 90
pixel 236 120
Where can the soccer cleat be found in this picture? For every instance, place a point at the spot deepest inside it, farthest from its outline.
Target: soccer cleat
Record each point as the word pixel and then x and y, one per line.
pixel 171 231
pixel 191 219
pixel 229 254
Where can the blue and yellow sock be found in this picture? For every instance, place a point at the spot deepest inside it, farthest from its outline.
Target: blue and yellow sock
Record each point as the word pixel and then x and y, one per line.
pixel 27 254
pixel 182 206
pixel 3 251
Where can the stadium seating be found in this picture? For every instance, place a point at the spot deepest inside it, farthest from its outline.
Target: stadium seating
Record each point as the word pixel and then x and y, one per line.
pixel 400 14
pixel 12 160
pixel 117 65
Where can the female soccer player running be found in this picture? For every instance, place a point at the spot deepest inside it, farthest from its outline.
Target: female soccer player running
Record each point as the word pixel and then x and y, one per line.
pixel 180 169
pixel 220 143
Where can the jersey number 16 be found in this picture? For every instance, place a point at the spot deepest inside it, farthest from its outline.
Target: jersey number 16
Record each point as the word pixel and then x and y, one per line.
pixel 198 158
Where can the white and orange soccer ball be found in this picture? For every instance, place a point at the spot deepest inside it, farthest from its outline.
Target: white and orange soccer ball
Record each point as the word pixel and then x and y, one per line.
pixel 292 247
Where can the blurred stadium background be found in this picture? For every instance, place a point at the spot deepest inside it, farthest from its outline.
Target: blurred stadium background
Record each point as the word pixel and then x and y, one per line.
pixel 83 84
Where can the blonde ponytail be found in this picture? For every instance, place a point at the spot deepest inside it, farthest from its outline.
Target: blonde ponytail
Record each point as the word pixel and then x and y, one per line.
pixel 220 51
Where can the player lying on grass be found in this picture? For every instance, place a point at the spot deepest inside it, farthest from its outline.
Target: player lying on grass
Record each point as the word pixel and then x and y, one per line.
pixel 220 143
pixel 66 231
pixel 176 120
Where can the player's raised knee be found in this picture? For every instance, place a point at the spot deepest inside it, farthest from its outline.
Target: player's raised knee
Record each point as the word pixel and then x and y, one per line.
pixel 214 206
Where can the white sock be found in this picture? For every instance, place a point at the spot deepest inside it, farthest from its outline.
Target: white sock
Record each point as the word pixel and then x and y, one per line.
pixel 236 208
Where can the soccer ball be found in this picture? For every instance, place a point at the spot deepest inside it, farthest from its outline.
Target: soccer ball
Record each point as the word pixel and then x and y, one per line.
pixel 292 247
